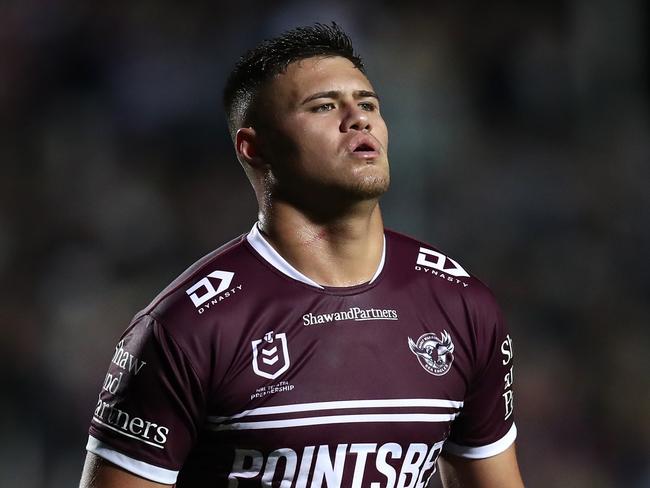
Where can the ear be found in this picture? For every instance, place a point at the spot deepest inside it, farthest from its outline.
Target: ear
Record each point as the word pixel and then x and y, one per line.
pixel 247 146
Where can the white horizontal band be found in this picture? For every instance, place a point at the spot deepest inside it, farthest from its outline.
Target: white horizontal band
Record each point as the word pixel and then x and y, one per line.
pixel 336 419
pixel 481 452
pixel 337 405
pixel 146 470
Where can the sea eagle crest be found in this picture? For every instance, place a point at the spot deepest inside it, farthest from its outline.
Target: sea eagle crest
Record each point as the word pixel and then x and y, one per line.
pixel 435 353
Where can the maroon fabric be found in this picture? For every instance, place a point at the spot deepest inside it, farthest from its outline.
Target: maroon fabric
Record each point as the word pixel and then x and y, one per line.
pixel 247 337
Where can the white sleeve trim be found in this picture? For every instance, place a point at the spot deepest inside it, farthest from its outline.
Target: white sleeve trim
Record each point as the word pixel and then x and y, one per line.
pixel 146 470
pixel 480 452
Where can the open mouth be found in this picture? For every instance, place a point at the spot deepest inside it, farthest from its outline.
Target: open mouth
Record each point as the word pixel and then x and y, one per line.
pixel 364 147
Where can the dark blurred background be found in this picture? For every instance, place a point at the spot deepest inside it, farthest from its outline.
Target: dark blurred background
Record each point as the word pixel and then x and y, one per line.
pixel 519 145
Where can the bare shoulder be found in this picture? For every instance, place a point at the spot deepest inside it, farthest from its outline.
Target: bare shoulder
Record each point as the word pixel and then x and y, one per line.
pixel 99 473
pixel 500 471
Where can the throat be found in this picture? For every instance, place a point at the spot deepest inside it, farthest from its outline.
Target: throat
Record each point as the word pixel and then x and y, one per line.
pixel 334 254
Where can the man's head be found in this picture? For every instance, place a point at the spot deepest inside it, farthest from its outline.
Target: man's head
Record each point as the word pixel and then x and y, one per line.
pixel 259 65
pixel 305 120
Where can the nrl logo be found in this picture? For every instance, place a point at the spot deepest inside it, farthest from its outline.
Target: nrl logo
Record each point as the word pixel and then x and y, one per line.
pixel 270 355
pixel 434 353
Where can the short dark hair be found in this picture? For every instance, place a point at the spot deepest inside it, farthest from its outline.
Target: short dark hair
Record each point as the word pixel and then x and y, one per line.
pixel 272 57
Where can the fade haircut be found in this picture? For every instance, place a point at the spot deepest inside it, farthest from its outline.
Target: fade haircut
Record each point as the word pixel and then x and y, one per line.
pixel 256 68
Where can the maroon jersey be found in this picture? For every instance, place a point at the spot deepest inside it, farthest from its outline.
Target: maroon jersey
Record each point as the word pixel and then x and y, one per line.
pixel 244 372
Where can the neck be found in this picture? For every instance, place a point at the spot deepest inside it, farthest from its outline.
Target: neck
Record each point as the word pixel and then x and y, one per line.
pixel 342 250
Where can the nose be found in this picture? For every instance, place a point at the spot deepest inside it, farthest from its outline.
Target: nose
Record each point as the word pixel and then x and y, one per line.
pixel 355 119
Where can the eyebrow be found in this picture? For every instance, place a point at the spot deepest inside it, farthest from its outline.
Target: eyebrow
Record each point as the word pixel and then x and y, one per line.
pixel 357 94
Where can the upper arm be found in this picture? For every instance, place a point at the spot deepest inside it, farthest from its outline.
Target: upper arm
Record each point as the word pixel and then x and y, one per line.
pixel 150 408
pixel 485 426
pixel 500 471
pixel 480 452
pixel 99 473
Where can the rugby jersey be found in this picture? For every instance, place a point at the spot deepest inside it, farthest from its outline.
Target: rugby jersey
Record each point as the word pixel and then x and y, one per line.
pixel 245 372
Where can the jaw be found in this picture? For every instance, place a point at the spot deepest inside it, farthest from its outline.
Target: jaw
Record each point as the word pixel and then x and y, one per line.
pixel 331 201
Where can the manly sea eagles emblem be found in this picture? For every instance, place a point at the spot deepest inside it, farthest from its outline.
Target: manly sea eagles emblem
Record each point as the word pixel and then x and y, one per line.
pixel 434 353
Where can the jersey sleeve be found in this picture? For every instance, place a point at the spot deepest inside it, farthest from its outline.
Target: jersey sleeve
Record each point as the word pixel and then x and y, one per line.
pixel 150 406
pixel 485 426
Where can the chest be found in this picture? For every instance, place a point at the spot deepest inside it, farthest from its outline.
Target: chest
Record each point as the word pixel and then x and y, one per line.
pixel 339 391
pixel 347 359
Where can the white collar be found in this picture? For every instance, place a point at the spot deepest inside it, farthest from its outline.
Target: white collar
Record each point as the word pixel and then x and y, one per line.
pixel 270 255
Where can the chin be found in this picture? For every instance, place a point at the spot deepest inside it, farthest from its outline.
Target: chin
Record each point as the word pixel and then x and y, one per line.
pixel 370 187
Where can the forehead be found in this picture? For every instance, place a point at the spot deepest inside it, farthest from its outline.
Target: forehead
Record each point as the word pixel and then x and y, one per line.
pixel 318 74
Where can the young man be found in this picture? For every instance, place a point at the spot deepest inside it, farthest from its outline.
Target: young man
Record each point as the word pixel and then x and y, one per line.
pixel 319 349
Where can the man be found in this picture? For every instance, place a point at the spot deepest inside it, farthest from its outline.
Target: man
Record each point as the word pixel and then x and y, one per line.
pixel 319 349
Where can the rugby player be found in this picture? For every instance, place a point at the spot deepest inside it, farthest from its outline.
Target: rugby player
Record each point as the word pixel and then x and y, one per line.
pixel 319 349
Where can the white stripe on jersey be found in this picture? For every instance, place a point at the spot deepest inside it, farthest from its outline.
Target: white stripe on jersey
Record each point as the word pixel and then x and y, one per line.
pixel 224 423
pixel 336 419
pixel 336 405
pixel 481 452
pixel 146 470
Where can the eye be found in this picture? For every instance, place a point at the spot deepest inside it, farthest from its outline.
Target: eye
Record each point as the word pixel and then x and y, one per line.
pixel 368 106
pixel 325 107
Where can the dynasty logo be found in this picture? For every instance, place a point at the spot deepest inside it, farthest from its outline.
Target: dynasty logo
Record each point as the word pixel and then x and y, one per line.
pixel 434 353
pixel 209 294
pixel 440 266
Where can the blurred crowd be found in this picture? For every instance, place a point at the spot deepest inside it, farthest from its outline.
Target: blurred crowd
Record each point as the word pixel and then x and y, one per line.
pixel 520 145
